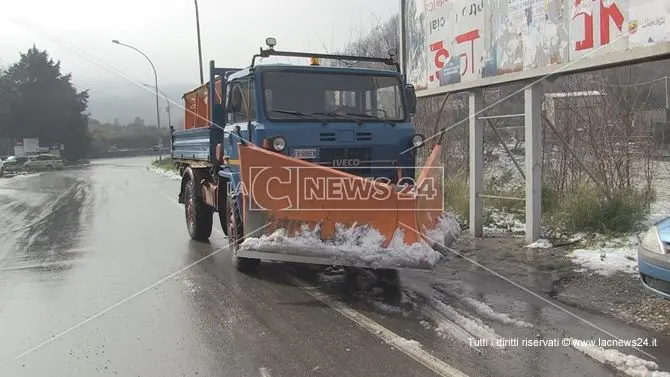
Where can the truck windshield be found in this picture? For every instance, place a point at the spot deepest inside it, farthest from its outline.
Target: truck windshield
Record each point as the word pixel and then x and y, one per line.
pixel 302 96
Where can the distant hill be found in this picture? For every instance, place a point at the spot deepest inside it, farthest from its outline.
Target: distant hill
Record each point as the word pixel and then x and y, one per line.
pixel 125 101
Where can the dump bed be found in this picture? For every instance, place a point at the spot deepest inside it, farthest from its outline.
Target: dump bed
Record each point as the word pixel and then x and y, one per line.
pixel 198 139
pixel 196 113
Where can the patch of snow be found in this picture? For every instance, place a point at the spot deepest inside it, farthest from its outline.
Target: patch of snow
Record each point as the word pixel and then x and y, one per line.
pixel 630 365
pixel 500 221
pixel 447 230
pixel 624 241
pixel 386 308
pixel 359 245
pixel 190 285
pixel 473 326
pixel 607 261
pixel 24 176
pixel 488 312
pixel 331 279
pixel 541 244
pixel 445 326
pixel 577 237
pixel 408 343
pixel 164 172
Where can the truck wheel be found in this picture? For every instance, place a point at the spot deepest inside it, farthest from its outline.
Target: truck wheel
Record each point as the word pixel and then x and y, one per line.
pixel 199 216
pixel 236 236
pixel 223 219
pixel 389 281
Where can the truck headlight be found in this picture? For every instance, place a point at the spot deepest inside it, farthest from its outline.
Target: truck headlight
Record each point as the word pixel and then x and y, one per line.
pixel 417 140
pixel 279 143
pixel 651 241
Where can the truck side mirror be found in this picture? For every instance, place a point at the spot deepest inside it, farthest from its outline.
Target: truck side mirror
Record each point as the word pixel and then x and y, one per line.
pixel 235 100
pixel 410 94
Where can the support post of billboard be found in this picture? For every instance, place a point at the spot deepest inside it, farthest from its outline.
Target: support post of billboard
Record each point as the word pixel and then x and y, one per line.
pixel 476 164
pixel 533 125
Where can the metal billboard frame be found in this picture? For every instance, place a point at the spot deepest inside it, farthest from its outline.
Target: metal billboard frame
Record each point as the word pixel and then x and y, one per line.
pixel 598 58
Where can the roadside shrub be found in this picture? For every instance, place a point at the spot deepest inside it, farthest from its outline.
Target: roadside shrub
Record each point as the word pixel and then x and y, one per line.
pixel 456 196
pixel 585 208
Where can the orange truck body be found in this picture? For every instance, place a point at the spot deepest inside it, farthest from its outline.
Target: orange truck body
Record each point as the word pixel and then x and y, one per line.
pixel 196 105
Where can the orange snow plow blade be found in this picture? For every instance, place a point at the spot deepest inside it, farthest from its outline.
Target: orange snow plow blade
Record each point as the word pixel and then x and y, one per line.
pixel 297 196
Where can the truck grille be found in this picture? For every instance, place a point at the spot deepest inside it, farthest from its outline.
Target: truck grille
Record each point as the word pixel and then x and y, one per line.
pixel 339 157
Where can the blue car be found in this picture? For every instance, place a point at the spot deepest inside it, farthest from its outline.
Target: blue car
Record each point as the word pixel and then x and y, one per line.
pixel 653 255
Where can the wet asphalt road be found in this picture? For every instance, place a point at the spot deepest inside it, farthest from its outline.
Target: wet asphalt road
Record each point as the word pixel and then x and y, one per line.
pixel 90 286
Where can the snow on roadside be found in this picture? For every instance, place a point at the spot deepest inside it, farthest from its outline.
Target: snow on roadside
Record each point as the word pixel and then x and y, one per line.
pixel 540 244
pixel 164 172
pixel 387 308
pixel 461 326
pixel 608 256
pixel 630 365
pixel 606 261
pixel 488 312
pixel 23 176
pixel 501 222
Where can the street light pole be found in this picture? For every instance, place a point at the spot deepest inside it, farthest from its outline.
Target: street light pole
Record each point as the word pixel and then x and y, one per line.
pixel 158 112
pixel 197 26
pixel 167 101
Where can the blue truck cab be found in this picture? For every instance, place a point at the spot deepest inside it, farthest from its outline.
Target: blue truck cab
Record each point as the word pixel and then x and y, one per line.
pixel 354 119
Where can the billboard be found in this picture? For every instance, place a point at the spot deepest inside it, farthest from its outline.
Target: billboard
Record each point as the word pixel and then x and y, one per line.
pixel 460 44
pixel 31 145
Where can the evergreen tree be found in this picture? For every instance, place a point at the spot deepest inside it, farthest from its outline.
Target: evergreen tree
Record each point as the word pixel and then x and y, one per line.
pixel 37 100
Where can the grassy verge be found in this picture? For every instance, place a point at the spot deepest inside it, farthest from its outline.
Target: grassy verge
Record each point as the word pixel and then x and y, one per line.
pixel 583 209
pixel 166 164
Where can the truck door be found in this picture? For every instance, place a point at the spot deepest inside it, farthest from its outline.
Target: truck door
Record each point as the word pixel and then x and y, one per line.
pixel 240 110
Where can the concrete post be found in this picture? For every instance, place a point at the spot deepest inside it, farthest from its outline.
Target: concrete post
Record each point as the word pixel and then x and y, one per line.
pixel 533 124
pixel 476 164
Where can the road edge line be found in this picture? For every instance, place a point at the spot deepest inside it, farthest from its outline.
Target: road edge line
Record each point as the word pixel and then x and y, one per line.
pixel 418 354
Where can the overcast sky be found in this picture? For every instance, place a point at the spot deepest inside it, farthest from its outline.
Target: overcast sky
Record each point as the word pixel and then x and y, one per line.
pixel 165 30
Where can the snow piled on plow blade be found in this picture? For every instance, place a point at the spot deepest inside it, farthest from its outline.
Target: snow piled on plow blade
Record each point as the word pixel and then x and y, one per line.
pixel 362 245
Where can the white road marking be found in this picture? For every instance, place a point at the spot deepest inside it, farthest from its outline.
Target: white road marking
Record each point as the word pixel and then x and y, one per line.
pixel 170 199
pixel 265 372
pixel 407 347
pixel 31 266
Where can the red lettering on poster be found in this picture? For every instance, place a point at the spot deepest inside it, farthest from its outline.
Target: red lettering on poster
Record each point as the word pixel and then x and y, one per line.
pixel 606 13
pixel 588 29
pixel 432 5
pixel 468 37
pixel 441 56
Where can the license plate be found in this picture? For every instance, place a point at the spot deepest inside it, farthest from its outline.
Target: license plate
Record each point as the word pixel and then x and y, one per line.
pixel 305 153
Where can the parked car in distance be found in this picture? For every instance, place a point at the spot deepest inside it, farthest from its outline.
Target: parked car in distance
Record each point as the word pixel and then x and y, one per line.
pixel 14 164
pixel 44 162
pixel 653 258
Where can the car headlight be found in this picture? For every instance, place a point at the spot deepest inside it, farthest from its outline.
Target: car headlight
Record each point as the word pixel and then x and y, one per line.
pixel 279 144
pixel 417 140
pixel 651 241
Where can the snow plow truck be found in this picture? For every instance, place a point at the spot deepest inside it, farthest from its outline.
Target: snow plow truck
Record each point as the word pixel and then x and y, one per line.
pixel 311 163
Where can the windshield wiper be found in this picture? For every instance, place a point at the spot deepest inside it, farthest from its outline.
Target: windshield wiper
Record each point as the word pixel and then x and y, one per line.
pixel 299 114
pixel 291 112
pixel 369 116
